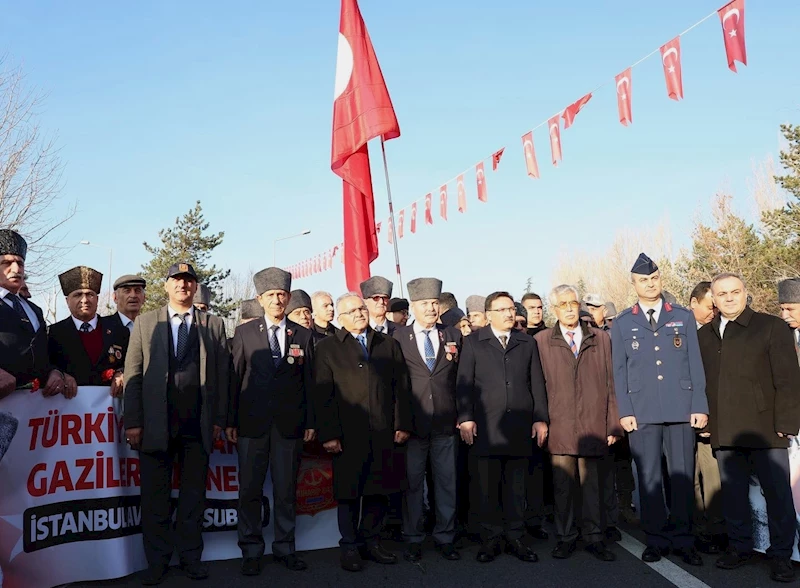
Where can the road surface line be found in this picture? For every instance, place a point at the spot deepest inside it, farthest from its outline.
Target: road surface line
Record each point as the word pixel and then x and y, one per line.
pixel 672 572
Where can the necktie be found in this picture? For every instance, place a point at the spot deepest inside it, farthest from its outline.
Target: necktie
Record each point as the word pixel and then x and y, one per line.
pixel 86 328
pixel 503 340
pixel 16 304
pixel 274 346
pixel 362 338
pixel 183 336
pixel 651 313
pixel 572 346
pixel 380 329
pixel 430 356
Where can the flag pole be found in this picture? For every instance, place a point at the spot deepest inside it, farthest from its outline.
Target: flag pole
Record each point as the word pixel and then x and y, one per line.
pixel 391 218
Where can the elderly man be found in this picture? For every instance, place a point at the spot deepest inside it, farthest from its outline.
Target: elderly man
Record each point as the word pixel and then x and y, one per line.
pixel 584 421
pixel 89 347
pixel 250 310
pixel 23 332
pixel 596 306
pixel 129 298
pixel 535 307
pixel 476 311
pixel 270 416
pixel 660 386
pixel 322 311
pixel 431 353
pixel 752 373
pixel 398 311
pixel 376 292
pixel 176 402
pixel 363 409
pixel 298 309
pixel 202 298
pixel 502 406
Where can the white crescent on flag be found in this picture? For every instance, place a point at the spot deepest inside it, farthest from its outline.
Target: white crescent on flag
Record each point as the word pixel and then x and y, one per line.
pixel 625 81
pixel 731 12
pixel 344 66
pixel 670 51
pixel 554 126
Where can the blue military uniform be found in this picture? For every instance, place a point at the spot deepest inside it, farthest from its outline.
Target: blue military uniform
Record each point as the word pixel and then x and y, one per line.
pixel 659 379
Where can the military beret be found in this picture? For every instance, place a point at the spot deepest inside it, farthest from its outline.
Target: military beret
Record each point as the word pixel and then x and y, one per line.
pixel 130 280
pixel 299 299
pixel 376 286
pixel 476 303
pixel 424 289
pixel 452 317
pixel 251 309
pixel 11 243
pixel 202 295
pixel 80 278
pixel 398 304
pixel 181 269
pixel 789 291
pixel 272 278
pixel 644 266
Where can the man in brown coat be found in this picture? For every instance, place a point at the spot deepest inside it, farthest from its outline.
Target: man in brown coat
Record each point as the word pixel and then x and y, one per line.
pixel 584 421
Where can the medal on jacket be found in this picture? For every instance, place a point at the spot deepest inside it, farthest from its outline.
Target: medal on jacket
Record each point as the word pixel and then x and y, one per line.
pixel 635 344
pixel 677 341
pixel 451 350
pixel 295 352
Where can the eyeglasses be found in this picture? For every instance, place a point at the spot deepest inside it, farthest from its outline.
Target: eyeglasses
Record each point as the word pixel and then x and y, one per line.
pixel 509 310
pixel 359 310
pixel 568 305
pixel 378 298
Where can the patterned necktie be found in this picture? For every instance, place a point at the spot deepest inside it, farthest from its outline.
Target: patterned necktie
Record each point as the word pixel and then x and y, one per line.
pixel 86 328
pixel 430 356
pixel 362 338
pixel 183 336
pixel 16 304
pixel 274 346
pixel 503 340
pixel 572 346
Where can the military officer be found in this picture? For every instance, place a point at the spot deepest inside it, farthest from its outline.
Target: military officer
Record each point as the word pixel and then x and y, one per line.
pixel 202 298
pixel 129 297
pixel 376 292
pixel 661 395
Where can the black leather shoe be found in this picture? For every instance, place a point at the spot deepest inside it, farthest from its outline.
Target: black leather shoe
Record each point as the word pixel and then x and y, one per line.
pixel 537 532
pixel 251 566
pixel 195 570
pixel 414 553
pixel 379 555
pixel 521 551
pixel 351 561
pixel 689 556
pixel 564 549
pixel 653 554
pixel 781 570
pixel 613 535
pixel 292 562
pixel 707 546
pixel 600 551
pixel 488 551
pixel 153 575
pixel 448 551
pixel 732 559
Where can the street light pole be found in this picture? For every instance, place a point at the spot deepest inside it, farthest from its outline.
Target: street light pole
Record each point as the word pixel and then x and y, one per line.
pixel 275 242
pixel 110 261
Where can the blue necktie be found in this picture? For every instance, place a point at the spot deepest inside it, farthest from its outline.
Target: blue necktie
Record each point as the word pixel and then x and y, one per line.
pixel 183 336
pixel 362 338
pixel 16 304
pixel 274 346
pixel 430 356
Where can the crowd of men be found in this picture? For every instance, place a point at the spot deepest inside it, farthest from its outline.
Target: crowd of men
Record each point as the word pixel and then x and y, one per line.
pixel 483 418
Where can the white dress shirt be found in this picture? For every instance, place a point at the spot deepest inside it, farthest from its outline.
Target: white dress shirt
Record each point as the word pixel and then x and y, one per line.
pixel 578 334
pixel 126 322
pixel 419 332
pixel 722 324
pixel 280 333
pixel 175 323
pixel 25 306
pixel 657 308
pixel 499 333
pixel 79 323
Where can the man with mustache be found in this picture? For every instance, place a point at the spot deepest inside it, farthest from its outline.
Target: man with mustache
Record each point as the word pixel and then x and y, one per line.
pixel 129 298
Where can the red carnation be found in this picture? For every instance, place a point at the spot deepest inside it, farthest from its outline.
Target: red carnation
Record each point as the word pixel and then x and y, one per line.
pixel 107 375
pixel 35 385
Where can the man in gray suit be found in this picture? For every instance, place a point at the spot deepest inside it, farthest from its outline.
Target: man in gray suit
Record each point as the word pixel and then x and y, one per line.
pixel 176 402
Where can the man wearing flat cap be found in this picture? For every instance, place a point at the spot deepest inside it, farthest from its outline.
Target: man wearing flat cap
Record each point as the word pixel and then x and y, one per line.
pixel 299 308
pixel 789 300
pixel 476 311
pixel 398 311
pixel 129 298
pixel 661 396
pixel 431 354
pixel 376 292
pixel 202 298
pixel 86 346
pixel 23 332
pixel 250 310
pixel 176 402
pixel 270 416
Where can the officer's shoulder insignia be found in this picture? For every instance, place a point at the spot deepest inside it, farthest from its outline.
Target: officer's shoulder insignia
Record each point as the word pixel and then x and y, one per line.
pixel 628 310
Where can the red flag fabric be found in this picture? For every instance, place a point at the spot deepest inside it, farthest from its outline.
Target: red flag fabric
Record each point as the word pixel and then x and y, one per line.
pixel 480 179
pixel 671 60
pixel 624 90
pixel 317 264
pixel 571 111
pixel 389 232
pixel 732 17
pixel 530 155
pixel 496 158
pixel 555 138
pixel 414 218
pixel 429 209
pixel 443 202
pixel 400 220
pixel 462 194
pixel 362 110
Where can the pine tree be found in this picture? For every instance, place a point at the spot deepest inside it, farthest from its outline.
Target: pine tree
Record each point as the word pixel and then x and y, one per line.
pixel 782 226
pixel 186 241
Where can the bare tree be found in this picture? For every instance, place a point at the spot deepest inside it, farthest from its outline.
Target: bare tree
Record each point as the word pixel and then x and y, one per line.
pixel 237 287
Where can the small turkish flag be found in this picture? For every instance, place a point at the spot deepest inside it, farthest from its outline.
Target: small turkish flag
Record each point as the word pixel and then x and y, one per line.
pixel 428 209
pixel 378 229
pixel 480 178
pixel 389 232
pixel 496 158
pixel 414 218
pixel 400 219
pixel 443 202
pixel 317 264
pixel 732 17
pixel 555 139
pixel 624 97
pixel 462 194
pixel 671 60
pixel 571 111
pixel 530 155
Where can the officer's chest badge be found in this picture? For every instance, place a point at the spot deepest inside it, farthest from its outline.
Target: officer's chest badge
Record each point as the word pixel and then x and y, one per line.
pixel 677 341
pixel 635 345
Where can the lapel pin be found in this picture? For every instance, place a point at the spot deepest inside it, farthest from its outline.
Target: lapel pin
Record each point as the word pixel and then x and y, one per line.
pixel 261 327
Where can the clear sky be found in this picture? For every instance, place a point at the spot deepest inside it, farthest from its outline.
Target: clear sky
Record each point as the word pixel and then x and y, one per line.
pixel 158 104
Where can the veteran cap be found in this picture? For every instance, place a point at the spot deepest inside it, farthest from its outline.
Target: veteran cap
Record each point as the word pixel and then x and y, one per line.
pixel 424 289
pixel 80 278
pixel 129 280
pixel 181 269
pixel 593 300
pixel 272 278
pixel 476 303
pixel 376 286
pixel 202 295
pixel 644 266
pixel 12 243
pixel 299 299
pixel 789 291
pixel 251 309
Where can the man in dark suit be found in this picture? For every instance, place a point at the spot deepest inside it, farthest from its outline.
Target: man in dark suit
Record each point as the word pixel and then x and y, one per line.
pixel 129 297
pixel 176 403
pixel 363 415
pixel 270 417
pixel 753 376
pixel 431 352
pixel 89 347
pixel 502 405
pixel 376 292
pixel 661 396
pixel 23 332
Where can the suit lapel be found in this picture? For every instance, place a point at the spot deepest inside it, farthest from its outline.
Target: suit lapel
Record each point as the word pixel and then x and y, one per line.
pixel 108 340
pixel 163 327
pixel 513 341
pixel 411 350
pixel 75 342
pixel 486 334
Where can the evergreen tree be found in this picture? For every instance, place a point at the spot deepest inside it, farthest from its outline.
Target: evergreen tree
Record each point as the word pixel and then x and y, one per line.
pixel 782 226
pixel 186 241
